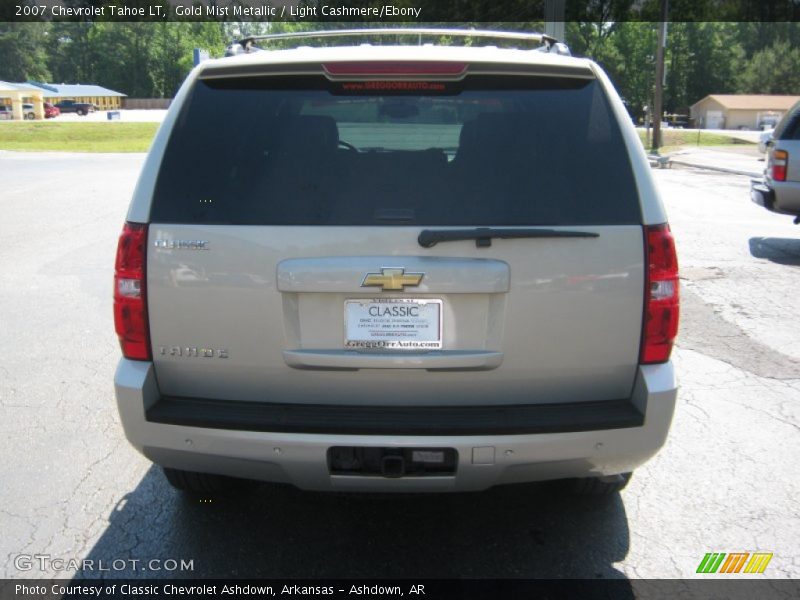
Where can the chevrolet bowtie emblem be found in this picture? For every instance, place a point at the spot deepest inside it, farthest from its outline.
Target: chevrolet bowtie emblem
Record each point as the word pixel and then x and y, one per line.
pixel 392 279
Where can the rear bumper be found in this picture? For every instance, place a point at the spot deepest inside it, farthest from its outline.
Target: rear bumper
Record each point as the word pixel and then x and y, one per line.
pixel 762 195
pixel 395 420
pixel 606 439
pixel 777 196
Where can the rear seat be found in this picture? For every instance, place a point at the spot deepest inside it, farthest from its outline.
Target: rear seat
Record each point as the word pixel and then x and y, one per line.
pixel 312 136
pixel 298 169
pixel 402 179
pixel 305 168
pixel 501 158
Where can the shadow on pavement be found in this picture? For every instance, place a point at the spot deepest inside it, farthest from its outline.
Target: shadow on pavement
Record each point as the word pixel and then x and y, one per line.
pixel 526 531
pixel 783 251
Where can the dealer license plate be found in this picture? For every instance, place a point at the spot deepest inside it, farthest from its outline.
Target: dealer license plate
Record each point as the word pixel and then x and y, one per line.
pixel 393 323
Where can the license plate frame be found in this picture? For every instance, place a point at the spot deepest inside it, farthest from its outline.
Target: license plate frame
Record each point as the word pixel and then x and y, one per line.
pixel 385 332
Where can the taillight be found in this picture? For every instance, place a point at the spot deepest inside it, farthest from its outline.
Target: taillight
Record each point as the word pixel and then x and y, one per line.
pixel 661 295
pixel 780 158
pixel 130 294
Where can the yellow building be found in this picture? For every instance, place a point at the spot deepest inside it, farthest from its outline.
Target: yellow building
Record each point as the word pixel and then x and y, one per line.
pixel 14 95
pixel 740 111
pixel 102 98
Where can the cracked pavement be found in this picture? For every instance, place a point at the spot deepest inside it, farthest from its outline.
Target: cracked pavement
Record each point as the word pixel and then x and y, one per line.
pixel 71 487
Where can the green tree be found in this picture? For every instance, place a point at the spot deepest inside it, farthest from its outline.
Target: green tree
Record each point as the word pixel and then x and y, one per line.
pixel 634 70
pixel 23 51
pixel 754 36
pixel 126 62
pixel 715 57
pixel 676 63
pixel 72 57
pixel 701 58
pixel 774 70
pixel 150 60
pixel 172 49
pixel 592 35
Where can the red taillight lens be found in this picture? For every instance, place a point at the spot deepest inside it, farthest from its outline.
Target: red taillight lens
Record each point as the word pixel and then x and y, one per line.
pixel 780 158
pixel 130 299
pixel 395 68
pixel 662 303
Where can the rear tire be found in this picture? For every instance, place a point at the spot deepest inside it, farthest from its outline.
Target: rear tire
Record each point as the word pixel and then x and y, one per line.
pixel 82 112
pixel 30 116
pixel 600 486
pixel 200 483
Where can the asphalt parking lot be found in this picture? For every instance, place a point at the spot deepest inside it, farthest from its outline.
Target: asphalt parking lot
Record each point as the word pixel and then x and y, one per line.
pixel 727 481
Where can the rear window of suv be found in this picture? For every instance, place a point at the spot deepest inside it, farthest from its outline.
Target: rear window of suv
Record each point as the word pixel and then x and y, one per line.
pixel 304 150
pixel 789 126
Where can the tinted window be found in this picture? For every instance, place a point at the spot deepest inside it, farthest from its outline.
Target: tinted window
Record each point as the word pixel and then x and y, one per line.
pixel 792 131
pixel 787 128
pixel 485 151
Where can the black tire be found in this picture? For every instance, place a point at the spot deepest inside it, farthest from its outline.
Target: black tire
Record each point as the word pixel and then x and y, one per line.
pixel 29 116
pixel 600 486
pixel 200 483
pixel 82 112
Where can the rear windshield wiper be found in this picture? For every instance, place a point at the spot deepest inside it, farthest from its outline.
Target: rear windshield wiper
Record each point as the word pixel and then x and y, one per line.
pixel 483 235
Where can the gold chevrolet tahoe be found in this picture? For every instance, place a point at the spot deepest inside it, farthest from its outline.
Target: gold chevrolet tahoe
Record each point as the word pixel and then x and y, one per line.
pixel 397 268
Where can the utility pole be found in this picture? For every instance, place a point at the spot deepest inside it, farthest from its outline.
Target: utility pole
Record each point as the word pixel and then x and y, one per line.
pixel 658 101
pixel 554 19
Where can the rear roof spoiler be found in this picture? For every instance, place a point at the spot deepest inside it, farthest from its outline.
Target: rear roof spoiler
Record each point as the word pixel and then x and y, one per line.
pixel 546 43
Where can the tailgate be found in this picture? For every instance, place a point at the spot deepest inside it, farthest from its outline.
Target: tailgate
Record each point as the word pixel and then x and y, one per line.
pixel 284 263
pixel 254 317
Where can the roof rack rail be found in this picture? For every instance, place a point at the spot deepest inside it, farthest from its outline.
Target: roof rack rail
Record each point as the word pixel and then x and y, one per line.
pixel 548 43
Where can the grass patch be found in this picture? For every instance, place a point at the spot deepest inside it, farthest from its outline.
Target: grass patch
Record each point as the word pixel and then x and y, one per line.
pixel 136 137
pixel 676 139
pixel 77 137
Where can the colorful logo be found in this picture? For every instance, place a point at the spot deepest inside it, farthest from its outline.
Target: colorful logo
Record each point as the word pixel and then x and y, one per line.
pixel 734 562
